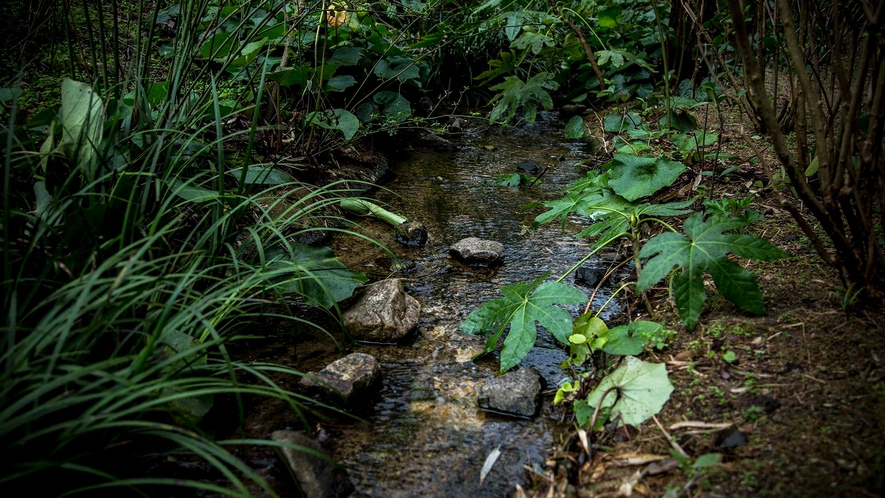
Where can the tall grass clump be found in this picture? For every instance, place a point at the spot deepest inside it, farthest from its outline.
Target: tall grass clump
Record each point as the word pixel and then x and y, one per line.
pixel 140 239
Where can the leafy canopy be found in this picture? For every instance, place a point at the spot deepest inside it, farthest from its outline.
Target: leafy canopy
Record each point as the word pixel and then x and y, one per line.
pixel 704 248
pixel 524 304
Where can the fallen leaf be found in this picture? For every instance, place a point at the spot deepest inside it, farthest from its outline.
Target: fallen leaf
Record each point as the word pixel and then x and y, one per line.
pixel 489 463
pixel 690 424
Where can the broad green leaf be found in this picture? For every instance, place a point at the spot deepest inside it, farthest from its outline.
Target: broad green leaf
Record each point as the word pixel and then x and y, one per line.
pixel 401 68
pixel 532 39
pixel 81 125
pixel 315 274
pixel 681 121
pixel 610 17
pixel 190 192
pixel 605 56
pixel 617 122
pixel 812 168
pixel 345 56
pixel 630 340
pixel 298 75
pixel 392 106
pixel 262 175
pixel 522 306
pixel 219 46
pixel 340 83
pixel 249 53
pixel 633 177
pixel 705 248
pixel 638 391
pixel 575 127
pixel 339 119
pixel 692 141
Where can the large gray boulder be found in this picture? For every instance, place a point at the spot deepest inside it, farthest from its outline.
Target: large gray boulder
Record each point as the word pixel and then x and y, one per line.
pixel 353 377
pixel 317 477
pixel 514 393
pixel 477 252
pixel 383 313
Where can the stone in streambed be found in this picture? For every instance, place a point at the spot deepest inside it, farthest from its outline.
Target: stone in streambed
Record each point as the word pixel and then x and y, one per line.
pixel 514 393
pixel 353 377
pixel 477 252
pixel 383 313
pixel 316 476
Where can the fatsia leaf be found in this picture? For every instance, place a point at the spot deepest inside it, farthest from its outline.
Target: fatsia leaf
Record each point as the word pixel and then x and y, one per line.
pixel 705 248
pixel 638 176
pixel 638 390
pixel 524 304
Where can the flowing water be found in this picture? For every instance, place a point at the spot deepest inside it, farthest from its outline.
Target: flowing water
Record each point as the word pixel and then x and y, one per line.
pixel 426 436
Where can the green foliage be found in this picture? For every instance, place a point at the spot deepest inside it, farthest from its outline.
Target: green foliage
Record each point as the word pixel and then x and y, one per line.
pixel 515 94
pixel 157 249
pixel 523 304
pixel 632 393
pixel 633 177
pixel 704 248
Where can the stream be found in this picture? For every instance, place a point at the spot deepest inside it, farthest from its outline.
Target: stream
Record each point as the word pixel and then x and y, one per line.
pixel 426 436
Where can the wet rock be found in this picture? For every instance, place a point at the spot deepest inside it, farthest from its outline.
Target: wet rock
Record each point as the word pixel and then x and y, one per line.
pixel 515 393
pixel 478 252
pixel 570 110
pixel 589 276
pixel 383 313
pixel 316 477
pixel 412 234
pixel 528 168
pixel 353 377
pixel 729 439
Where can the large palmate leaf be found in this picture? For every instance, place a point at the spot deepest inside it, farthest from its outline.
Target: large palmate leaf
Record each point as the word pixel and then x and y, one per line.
pixel 315 274
pixel 633 177
pixel 705 248
pixel 637 391
pixel 524 304
pixel 82 112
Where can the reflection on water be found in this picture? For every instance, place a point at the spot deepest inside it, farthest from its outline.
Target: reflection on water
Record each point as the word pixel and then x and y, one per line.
pixel 426 436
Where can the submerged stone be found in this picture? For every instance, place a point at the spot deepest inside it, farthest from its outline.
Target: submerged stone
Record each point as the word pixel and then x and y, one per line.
pixel 353 377
pixel 515 393
pixel 383 313
pixel 528 168
pixel 317 477
pixel 412 234
pixel 478 252
pixel 589 276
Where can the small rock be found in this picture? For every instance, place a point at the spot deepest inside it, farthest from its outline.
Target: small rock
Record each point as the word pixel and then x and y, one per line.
pixel 528 168
pixel 355 376
pixel 478 252
pixel 589 276
pixel 729 439
pixel 383 313
pixel 412 234
pixel 316 477
pixel 514 393
pixel 570 110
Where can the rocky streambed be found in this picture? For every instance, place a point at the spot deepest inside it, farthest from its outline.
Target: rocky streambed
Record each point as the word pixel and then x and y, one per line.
pixel 429 424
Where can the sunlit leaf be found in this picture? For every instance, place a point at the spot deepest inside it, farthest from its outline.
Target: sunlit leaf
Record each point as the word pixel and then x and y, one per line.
pixel 522 306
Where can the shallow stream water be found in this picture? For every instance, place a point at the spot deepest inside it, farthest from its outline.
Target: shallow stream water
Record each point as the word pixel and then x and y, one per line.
pixel 426 435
